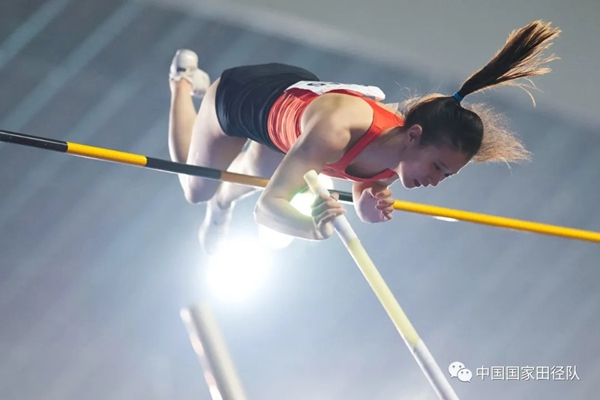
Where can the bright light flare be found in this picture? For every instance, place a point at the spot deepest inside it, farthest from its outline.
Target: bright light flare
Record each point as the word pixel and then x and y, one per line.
pixel 273 239
pixel 303 201
pixel 237 271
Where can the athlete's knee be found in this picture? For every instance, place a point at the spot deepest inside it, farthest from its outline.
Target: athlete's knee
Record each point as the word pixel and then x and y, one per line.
pixel 197 197
pixel 200 190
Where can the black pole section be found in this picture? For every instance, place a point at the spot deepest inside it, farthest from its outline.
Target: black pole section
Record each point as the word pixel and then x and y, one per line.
pixel 33 141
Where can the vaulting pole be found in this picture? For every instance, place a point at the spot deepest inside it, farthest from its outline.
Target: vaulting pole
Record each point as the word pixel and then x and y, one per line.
pixel 209 344
pixel 411 338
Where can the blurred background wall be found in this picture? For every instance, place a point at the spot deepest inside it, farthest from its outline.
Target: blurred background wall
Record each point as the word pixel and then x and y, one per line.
pixel 97 259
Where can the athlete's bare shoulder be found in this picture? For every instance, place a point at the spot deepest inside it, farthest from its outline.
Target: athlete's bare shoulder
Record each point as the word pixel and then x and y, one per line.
pixel 334 122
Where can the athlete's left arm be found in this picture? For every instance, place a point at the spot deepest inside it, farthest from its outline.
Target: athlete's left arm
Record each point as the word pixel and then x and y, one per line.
pixel 373 201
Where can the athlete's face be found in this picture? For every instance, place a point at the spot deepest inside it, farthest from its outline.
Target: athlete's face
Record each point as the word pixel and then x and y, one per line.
pixel 427 165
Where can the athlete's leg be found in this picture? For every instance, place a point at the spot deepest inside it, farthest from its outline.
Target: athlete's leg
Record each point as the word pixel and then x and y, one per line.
pixel 181 120
pixel 197 139
pixel 186 80
pixel 256 160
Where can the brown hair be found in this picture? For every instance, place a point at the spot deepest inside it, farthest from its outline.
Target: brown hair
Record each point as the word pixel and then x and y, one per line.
pixel 477 130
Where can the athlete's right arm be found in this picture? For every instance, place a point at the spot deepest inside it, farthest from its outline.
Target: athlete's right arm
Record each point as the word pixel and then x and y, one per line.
pixel 326 134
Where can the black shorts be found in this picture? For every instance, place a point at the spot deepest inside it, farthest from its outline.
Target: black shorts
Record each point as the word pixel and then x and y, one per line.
pixel 246 94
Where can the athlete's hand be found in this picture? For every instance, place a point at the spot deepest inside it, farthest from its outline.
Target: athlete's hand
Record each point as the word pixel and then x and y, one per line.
pixel 375 204
pixel 324 210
